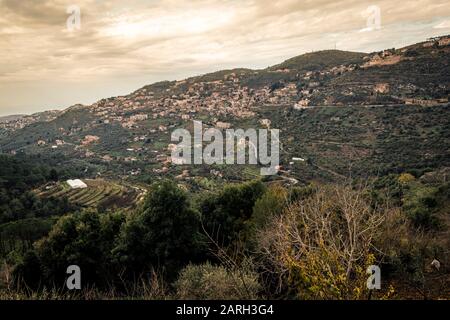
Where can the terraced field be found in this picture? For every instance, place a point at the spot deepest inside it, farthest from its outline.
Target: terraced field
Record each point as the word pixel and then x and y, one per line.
pixel 99 193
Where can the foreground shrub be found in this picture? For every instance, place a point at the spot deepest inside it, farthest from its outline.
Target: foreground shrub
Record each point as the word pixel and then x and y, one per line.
pixel 208 282
pixel 152 287
pixel 320 247
pixel 84 239
pixel 420 204
pixel 271 204
pixel 163 236
pixel 226 215
pixel 407 256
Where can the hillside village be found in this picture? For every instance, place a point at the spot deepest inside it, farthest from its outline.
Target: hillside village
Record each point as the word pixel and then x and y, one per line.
pixel 22 121
pixel 145 118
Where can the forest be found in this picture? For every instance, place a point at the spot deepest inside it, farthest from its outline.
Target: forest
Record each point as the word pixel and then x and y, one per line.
pixel 254 240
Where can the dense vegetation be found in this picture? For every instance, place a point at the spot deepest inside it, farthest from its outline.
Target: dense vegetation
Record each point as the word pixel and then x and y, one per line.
pixel 353 129
pixel 17 200
pixel 251 240
pixel 363 181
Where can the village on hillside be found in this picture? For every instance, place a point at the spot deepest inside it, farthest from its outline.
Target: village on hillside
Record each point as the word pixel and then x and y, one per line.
pixel 221 100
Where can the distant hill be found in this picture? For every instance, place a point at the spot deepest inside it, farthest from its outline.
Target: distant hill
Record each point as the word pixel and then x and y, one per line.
pixel 11 118
pixel 316 61
pixel 380 112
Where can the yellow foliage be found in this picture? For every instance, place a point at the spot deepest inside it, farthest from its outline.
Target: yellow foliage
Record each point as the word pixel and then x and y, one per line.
pixel 322 245
pixel 406 178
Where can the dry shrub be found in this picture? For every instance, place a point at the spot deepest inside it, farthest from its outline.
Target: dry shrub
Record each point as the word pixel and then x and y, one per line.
pixel 320 247
pixel 208 282
pixel 150 287
pixel 407 256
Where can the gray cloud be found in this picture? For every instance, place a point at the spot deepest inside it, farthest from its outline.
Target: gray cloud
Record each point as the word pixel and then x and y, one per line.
pixel 146 41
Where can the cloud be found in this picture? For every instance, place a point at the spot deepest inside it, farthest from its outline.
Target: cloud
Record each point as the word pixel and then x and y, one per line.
pixel 443 25
pixel 146 41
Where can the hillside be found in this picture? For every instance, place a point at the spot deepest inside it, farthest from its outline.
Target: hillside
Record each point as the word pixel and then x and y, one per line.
pixel 348 113
pixel 362 184
pixel 98 194
pixel 13 117
pixel 317 61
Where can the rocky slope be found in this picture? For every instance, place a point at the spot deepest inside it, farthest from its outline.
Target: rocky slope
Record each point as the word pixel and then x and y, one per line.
pixel 381 111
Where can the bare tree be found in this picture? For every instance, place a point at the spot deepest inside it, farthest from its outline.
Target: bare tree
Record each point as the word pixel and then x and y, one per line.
pixel 321 246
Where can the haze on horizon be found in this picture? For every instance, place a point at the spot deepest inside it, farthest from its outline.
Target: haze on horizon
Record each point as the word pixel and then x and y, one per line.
pixel 124 45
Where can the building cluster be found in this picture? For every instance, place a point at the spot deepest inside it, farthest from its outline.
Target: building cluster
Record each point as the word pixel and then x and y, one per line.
pixel 19 122
pixel 437 41
pixel 183 100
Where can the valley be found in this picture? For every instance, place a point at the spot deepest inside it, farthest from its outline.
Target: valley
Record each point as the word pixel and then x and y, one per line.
pixel 364 150
pixel 341 110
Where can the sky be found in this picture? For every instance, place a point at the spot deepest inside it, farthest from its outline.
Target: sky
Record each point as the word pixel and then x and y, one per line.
pixel 57 53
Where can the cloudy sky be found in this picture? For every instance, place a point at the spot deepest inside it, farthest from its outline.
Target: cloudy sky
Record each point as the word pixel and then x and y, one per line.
pixel 52 58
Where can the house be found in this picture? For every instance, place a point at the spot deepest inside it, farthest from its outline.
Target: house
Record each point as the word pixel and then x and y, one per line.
pixel 302 104
pixel 381 88
pixel 444 41
pixel 421 102
pixel 184 175
pixel 265 122
pixel 216 173
pixel 383 60
pixel 135 172
pixel 178 161
pixel 172 147
pixel 107 158
pixel 89 139
pixel 77 184
pixel 223 125
pixel 139 117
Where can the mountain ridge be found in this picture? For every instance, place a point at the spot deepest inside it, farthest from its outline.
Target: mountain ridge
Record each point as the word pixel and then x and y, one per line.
pixel 343 57
pixel 334 93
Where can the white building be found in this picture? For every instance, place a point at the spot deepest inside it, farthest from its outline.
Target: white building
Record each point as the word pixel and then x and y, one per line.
pixel 77 184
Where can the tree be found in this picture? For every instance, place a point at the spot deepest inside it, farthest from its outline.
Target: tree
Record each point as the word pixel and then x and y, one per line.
pixel 85 240
pixel 53 175
pixel 17 208
pixel 226 215
pixel 320 247
pixel 270 205
pixel 163 235
pixel 420 204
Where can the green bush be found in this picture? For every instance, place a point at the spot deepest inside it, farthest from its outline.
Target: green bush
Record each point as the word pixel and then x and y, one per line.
pixel 208 282
pixel 165 234
pixel 419 204
pixel 272 203
pixel 227 214
pixel 84 239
